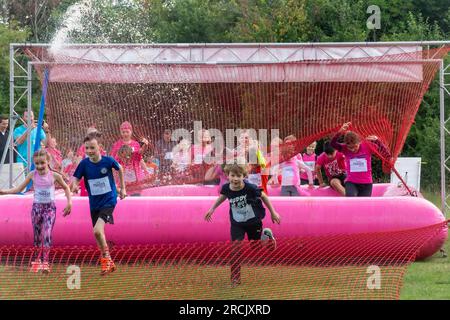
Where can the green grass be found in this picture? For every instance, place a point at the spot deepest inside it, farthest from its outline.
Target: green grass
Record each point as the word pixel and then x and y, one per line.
pixel 428 279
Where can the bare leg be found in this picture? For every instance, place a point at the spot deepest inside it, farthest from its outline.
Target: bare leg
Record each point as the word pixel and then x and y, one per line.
pixel 99 233
pixel 336 184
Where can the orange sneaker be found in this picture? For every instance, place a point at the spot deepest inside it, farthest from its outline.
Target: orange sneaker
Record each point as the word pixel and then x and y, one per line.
pixel 36 266
pixel 107 266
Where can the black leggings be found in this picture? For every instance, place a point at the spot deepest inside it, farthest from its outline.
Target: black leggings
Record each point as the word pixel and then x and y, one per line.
pixel 358 189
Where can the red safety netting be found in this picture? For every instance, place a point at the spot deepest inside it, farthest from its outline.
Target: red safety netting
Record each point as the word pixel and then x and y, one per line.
pixel 359 266
pixel 307 99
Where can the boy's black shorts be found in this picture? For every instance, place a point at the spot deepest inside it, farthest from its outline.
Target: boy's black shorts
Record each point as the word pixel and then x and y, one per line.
pixel 106 214
pixel 252 230
pixel 341 178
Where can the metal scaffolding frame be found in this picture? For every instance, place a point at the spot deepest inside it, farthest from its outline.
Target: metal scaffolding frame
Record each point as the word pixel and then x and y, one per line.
pixel 223 53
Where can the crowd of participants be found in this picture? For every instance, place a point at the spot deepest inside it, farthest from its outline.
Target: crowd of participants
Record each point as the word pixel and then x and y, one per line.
pixel 345 160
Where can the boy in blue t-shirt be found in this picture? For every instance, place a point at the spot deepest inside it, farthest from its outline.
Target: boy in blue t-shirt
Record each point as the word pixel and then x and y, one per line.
pixel 246 211
pixel 97 172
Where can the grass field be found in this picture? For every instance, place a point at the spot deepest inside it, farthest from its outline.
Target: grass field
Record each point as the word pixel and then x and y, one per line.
pixel 429 279
pixel 199 282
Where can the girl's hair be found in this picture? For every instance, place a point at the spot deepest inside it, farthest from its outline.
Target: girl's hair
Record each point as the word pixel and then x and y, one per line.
pixel 351 138
pixel 328 149
pixel 290 138
pixel 42 153
pixel 239 169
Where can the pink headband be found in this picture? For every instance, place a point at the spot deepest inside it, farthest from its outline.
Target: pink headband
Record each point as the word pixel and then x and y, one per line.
pixel 125 125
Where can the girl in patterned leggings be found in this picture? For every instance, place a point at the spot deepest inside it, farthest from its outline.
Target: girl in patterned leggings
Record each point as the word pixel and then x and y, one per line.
pixel 43 213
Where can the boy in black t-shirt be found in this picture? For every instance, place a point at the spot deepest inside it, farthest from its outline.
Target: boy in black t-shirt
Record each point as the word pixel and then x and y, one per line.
pixel 246 210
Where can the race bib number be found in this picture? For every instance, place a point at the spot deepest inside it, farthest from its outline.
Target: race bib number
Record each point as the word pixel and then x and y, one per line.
pixel 44 195
pixel 255 179
pixel 288 173
pixel 243 214
pixel 168 156
pixel 99 186
pixel 151 170
pixel 358 165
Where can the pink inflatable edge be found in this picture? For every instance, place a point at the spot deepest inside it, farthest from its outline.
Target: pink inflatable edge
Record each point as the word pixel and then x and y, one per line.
pixel 158 218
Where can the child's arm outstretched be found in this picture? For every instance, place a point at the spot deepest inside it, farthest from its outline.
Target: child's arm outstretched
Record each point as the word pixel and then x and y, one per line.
pixel 218 202
pixel 20 187
pixel 273 214
pixel 62 183
pixel 308 170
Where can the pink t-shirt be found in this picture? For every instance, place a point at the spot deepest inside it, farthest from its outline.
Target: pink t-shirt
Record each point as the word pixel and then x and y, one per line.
pixel 118 144
pixel 133 171
pixel 290 173
pixel 310 161
pixel 358 164
pixel 334 167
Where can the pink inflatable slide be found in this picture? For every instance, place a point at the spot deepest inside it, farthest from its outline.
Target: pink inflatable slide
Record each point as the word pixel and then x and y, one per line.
pixel 174 214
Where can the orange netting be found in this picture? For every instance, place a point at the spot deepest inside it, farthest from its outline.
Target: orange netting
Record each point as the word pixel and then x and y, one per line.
pixel 308 99
pixel 360 266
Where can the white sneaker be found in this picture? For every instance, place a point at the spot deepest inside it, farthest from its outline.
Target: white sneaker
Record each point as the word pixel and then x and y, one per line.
pixel 266 235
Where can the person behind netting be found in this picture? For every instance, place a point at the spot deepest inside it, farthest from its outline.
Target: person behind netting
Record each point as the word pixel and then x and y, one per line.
pixel 97 172
pixel 249 150
pixel 164 154
pixel 333 163
pixel 309 158
pixel 151 164
pixel 126 133
pixel 358 161
pixel 182 158
pixel 134 167
pixel 4 133
pixel 43 212
pixel 51 147
pixel 202 155
pixel 21 134
pixel 246 211
pixel 290 170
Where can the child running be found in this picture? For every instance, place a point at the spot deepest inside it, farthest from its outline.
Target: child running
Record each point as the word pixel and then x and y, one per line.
pixel 97 172
pixel 333 163
pixel 246 211
pixel 43 212
pixel 358 160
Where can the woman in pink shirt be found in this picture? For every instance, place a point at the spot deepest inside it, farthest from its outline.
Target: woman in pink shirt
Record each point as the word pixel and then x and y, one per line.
pixel 358 160
pixel 126 132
